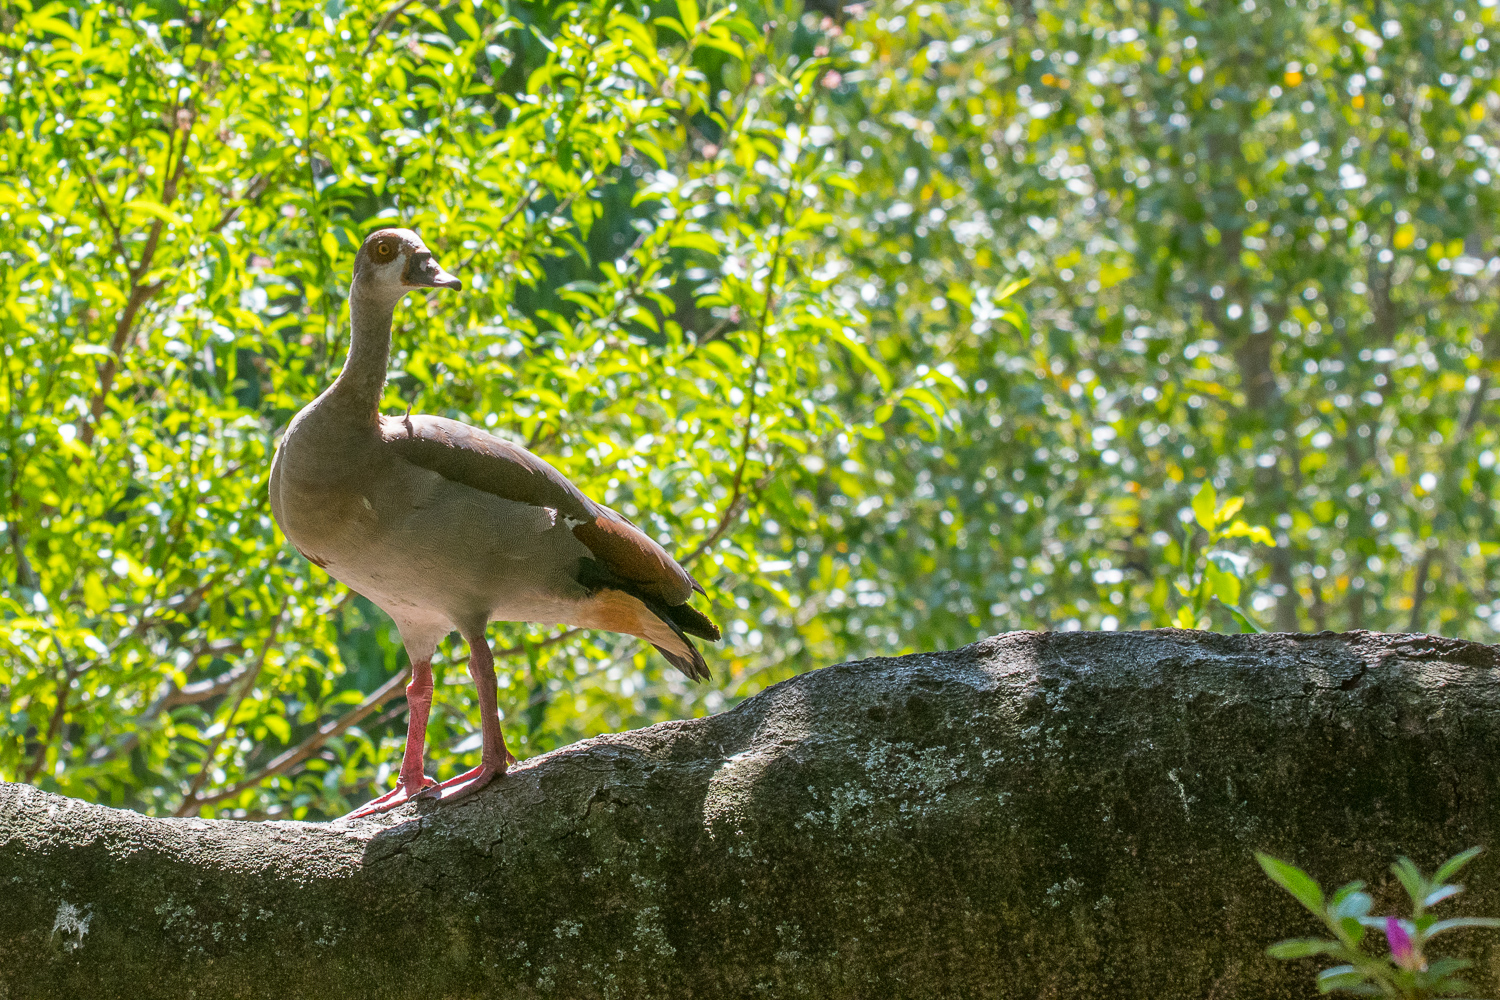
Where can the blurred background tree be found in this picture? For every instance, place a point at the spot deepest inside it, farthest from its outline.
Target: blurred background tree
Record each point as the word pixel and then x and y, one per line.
pixel 903 324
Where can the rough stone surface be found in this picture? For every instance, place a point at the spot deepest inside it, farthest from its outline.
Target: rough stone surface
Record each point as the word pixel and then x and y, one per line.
pixel 1036 815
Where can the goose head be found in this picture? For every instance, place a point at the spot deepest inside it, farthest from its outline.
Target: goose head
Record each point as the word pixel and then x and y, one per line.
pixel 393 262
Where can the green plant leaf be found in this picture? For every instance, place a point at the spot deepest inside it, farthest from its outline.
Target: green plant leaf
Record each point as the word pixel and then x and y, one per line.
pixel 1350 901
pixel 1441 968
pixel 1242 617
pixel 1203 506
pixel 696 241
pixel 1303 947
pixel 1441 893
pixel 1454 923
pixel 1411 879
pixel 1344 977
pixel 862 354
pixel 1294 880
pixel 1226 510
pixel 1258 533
pixel 1223 586
pixel 1450 868
pixel 1352 930
pixel 1009 289
pixel 721 41
pixel 1346 900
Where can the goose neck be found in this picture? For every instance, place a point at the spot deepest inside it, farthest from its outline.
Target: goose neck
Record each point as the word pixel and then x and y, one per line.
pixel 363 377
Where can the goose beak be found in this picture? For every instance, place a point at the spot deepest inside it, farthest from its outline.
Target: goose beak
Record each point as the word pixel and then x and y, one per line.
pixel 423 271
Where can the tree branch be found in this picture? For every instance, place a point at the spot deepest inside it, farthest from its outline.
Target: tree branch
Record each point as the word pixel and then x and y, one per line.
pixel 731 510
pixel 520 206
pixel 297 754
pixel 210 687
pixel 382 24
pixel 1419 586
pixel 505 220
pixel 140 293
pixel 119 238
pixel 190 799
pixel 257 187
pixel 170 696
pixel 500 869
pixel 59 711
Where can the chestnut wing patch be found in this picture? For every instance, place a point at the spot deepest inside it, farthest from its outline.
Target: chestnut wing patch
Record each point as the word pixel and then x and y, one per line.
pixel 479 460
pixel 634 557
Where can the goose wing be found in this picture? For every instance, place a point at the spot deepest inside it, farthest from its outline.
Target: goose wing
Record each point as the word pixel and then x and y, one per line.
pixel 482 461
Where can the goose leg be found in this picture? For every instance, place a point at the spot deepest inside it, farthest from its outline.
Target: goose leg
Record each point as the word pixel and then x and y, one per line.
pixel 494 758
pixel 412 780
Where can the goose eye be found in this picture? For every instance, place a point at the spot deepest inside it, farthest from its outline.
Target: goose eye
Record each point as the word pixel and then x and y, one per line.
pixel 383 251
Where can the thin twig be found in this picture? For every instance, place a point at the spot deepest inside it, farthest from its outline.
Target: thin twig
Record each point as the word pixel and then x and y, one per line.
pixel 169 696
pixel 535 441
pixel 296 755
pixel 1419 587
pixel 746 500
pixel 59 710
pixel 732 510
pixel 382 24
pixel 210 687
pixel 713 333
pixel 182 603
pixel 190 800
pixel 520 206
pixel 551 640
pixel 119 238
pixel 1477 398
pixel 257 187
pixel 558 209
pixel 139 295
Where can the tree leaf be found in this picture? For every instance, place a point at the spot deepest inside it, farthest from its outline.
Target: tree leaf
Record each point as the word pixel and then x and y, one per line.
pixel 694 240
pixel 1441 893
pixel 1203 506
pixel 1257 533
pixel 1226 510
pixel 1246 623
pixel 1340 977
pixel 1224 586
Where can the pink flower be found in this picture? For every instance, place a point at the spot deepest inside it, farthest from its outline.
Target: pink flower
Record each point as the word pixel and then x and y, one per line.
pixel 1403 950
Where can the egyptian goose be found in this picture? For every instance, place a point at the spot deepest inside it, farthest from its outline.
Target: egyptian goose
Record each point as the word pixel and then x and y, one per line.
pixel 446 527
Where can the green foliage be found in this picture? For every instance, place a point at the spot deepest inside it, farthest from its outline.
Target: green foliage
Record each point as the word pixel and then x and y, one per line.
pixel 904 328
pixel 1213 574
pixel 1405 971
pixel 1260 247
pixel 638 204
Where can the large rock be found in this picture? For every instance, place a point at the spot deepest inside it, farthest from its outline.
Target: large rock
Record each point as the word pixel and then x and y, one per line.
pixel 1037 815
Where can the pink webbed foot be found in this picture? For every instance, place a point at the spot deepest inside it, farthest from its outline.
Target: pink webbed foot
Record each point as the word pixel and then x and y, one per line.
pixel 466 784
pixel 403 792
